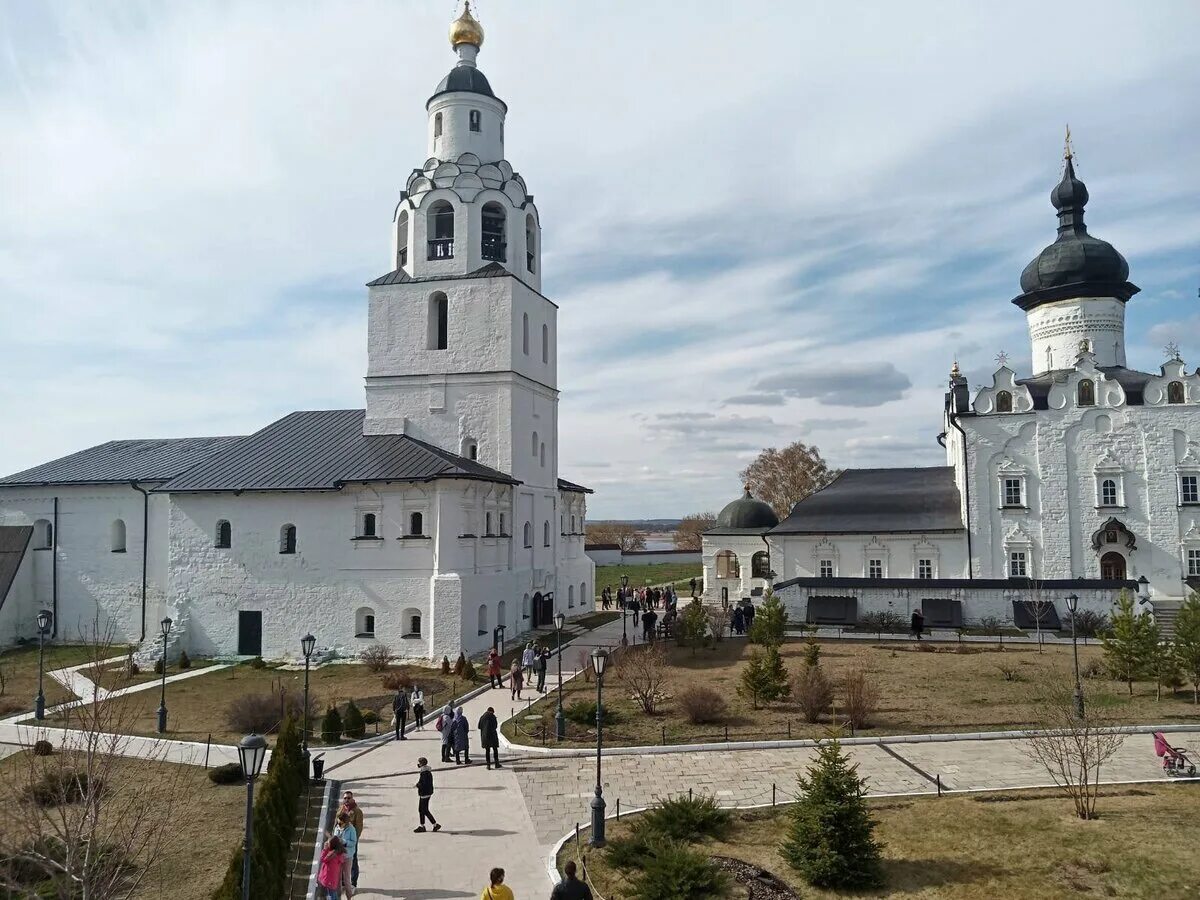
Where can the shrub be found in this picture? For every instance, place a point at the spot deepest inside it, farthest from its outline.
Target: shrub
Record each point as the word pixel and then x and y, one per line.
pixel 990 625
pixel 460 664
pixel 57 788
pixel 185 661
pixel 257 663
pixel 468 672
pixel 353 726
pixel 1009 672
pixel 641 671
pixel 370 717
pixel 830 838
pixel 445 665
pixel 631 852
pixel 158 666
pixel 862 698
pixel 881 621
pixel 263 713
pixel 675 871
pixel 1088 623
pixel 583 712
pixel 331 726
pixel 230 773
pixel 43 748
pixel 688 818
pixel 377 657
pixel 812 653
pixel 1093 668
pixel 396 681
pixel 813 692
pixel 702 705
pixel 132 669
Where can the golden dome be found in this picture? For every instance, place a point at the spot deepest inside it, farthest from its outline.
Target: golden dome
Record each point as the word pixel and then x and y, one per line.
pixel 465 29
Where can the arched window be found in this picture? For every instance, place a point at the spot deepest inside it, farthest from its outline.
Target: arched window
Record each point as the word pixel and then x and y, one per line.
pixel 1175 392
pixel 501 613
pixel 492 241
pixel 1108 492
pixel 533 445
pixel 542 454
pixel 545 343
pixel 43 535
pixel 502 531
pixel 483 626
pixel 1086 393
pixel 573 525
pixel 546 534
pixel 441 230
pixel 364 622
pixel 224 535
pixel 528 534
pixel 570 596
pixel 525 333
pixel 369 525
pixel 287 539
pixel 727 565
pixel 416 524
pixel 530 243
pixel 410 622
pixel 118 536
pixel 760 564
pixel 402 240
pixel 474 120
pixel 1003 401
pixel 583 593
pixel 525 607
pixel 487 521
pixel 437 125
pixel 437 329
pixel 469 449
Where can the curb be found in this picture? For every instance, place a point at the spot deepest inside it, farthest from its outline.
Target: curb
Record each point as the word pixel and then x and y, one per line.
pixel 332 788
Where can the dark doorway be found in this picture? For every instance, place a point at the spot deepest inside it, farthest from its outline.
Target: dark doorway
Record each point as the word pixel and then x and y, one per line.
pixel 249 633
pixel 1112 567
pixel 543 609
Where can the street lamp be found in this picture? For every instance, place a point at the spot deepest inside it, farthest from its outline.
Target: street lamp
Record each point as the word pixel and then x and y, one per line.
pixel 165 624
pixel 599 659
pixel 560 722
pixel 308 643
pixel 1143 589
pixel 1072 606
pixel 252 751
pixel 624 609
pixel 44 618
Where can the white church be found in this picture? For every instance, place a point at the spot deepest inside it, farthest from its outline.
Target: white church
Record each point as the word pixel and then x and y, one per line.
pixel 1080 479
pixel 426 521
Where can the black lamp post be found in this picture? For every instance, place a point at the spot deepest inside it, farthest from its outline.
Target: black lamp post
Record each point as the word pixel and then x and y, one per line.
pixel 624 609
pixel 599 659
pixel 308 643
pixel 1143 589
pixel 252 752
pixel 560 722
pixel 498 638
pixel 162 698
pixel 44 618
pixel 1072 607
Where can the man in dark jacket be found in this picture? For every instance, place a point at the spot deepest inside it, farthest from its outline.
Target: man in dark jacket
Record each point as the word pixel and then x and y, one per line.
pixel 400 711
pixel 918 623
pixel 539 665
pixel 570 888
pixel 489 737
pixel 424 792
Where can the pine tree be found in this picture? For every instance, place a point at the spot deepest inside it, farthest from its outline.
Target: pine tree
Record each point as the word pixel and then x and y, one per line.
pixel 770 621
pixel 765 677
pixel 830 838
pixel 1129 646
pixel 693 625
pixel 1187 642
pixel 353 725
pixel 331 726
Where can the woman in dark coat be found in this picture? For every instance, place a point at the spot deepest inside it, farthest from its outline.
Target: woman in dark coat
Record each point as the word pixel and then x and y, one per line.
pixel 461 738
pixel 489 737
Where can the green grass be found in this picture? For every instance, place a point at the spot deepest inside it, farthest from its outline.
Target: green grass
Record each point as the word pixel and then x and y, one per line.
pixel 639 576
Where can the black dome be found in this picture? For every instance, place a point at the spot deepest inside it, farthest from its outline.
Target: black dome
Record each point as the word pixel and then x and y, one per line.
pixel 1076 264
pixel 746 512
pixel 465 78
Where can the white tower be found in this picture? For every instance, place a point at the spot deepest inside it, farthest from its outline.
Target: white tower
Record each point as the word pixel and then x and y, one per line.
pixel 461 343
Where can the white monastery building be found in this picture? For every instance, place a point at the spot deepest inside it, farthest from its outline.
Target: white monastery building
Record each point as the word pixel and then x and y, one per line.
pixel 1080 479
pixel 424 522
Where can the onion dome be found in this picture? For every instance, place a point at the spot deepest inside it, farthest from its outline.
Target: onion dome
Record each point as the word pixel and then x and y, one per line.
pixel 466 29
pixel 1076 264
pixel 746 512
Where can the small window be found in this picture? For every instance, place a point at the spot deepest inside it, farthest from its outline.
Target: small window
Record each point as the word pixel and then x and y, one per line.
pixel 469 448
pixel 441 231
pixel 570 596
pixel 474 120
pixel 1189 490
pixel 493 244
pixel 482 617
pixel 1003 402
pixel 502 531
pixel 533 445
pixel 1013 492
pixel 526 606
pixel 412 624
pixel 546 534
pixel 562 523
pixel 118 536
pixel 1018 566
pixel 1111 536
pixel 437 125
pixel 1108 492
pixel 875 568
pixel 1086 393
pixel 1193 563
pixel 528 534
pixel 501 613
pixel 925 568
pixel 760 564
pixel 473 452
pixel 369 526
pixel 364 622
pixel 1175 392
pixel 545 343
pixel 530 243
pixel 43 535
pixel 542 454
pixel 224 535
pixel 402 240
pixel 416 524
pixel 583 593
pixel 525 333
pixel 573 531
pixel 439 322
pixel 487 524
pixel 825 568
pixel 287 539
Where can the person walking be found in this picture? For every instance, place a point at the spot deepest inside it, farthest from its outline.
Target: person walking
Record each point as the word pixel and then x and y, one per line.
pixel 351 808
pixel 516 679
pixel 424 793
pixel 400 713
pixel 331 874
pixel 418 707
pixel 738 624
pixel 494 670
pixel 540 662
pixel 345 830
pixel 462 738
pixel 570 888
pixel 527 660
pixel 445 724
pixel 489 737
pixel 496 889
pixel 918 623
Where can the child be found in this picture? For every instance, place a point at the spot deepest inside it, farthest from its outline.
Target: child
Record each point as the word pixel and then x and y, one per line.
pixel 333 872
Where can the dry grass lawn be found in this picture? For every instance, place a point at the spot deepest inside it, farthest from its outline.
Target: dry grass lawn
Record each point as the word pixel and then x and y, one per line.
pixel 1016 846
pixel 923 688
pixel 19 668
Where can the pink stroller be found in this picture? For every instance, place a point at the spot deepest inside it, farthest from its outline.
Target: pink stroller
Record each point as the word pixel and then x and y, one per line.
pixel 1175 760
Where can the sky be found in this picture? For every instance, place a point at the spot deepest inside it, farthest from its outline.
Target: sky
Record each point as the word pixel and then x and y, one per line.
pixel 762 221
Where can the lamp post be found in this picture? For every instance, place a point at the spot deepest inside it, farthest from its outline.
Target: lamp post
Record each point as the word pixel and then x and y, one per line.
pixel 599 659
pixel 252 751
pixel 624 609
pixel 1143 589
pixel 308 643
pixel 162 697
pixel 560 722
pixel 44 618
pixel 1072 606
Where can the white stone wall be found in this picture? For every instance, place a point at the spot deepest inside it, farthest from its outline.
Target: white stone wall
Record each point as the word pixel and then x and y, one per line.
pixel 798 556
pixel 1058 330
pixel 744 546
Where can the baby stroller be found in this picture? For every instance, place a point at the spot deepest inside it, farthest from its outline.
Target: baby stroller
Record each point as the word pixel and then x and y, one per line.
pixel 1175 760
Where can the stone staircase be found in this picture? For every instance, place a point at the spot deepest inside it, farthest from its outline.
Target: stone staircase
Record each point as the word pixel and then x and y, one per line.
pixel 1165 614
pixel 151 649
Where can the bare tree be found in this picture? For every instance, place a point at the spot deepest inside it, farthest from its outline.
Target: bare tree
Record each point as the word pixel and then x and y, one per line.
pixel 90 819
pixel 1040 607
pixel 688 534
pixel 624 536
pixel 1072 748
pixel 642 672
pixel 782 478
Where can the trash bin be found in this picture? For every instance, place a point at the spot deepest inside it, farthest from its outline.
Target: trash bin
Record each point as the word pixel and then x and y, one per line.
pixel 318 765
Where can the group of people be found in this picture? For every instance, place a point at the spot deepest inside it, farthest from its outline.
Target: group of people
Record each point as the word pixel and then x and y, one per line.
pixel 570 888
pixel 533 662
pixel 337 874
pixel 404 702
pixel 640 599
pixel 741 618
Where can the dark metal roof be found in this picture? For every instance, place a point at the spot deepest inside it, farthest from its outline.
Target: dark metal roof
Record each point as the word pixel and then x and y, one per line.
pixel 118 462
pixel 878 501
pixel 564 485
pixel 745 514
pixel 930 584
pixel 322 451
pixel 399 276
pixel 14 539
pixel 465 78
pixel 1131 380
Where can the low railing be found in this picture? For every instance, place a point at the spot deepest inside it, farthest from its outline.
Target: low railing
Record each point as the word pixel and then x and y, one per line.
pixel 441 248
pixel 497 251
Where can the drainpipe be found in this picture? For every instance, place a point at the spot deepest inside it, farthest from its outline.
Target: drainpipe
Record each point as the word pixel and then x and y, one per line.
pixel 54 574
pixel 967 491
pixel 145 547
